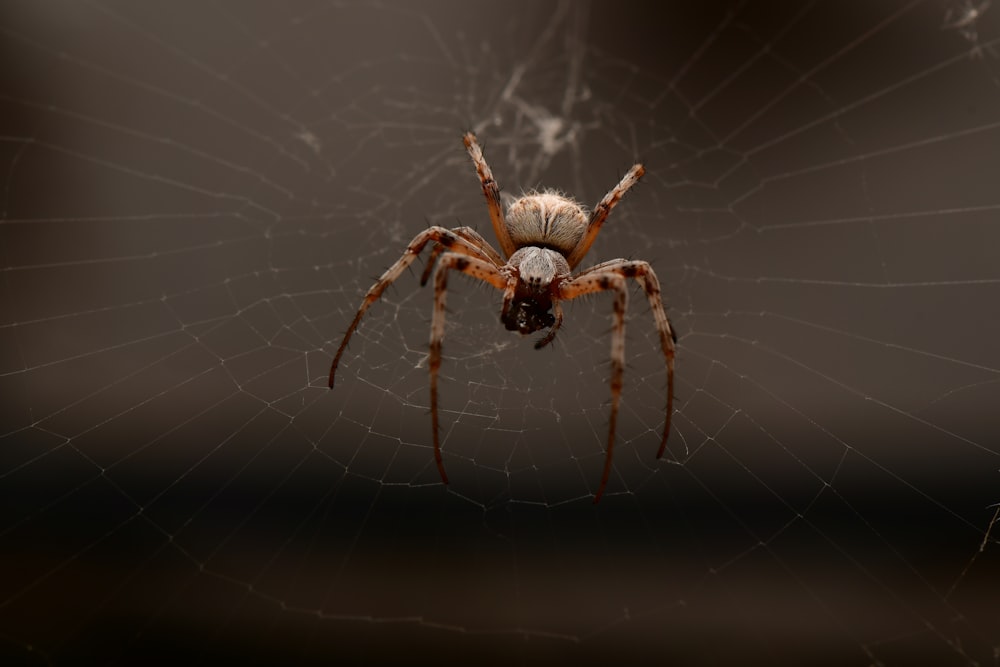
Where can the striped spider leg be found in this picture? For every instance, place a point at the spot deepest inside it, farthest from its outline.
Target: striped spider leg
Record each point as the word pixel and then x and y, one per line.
pixel 612 276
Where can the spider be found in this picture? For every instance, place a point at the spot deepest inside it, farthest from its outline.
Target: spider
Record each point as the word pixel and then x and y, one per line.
pixel 543 236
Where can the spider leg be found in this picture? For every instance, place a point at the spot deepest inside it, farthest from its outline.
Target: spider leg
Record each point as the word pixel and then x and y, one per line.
pixel 602 282
pixel 476 268
pixel 612 275
pixel 443 237
pixel 601 212
pixel 492 192
pixel 431 262
pixel 470 235
pixel 476 239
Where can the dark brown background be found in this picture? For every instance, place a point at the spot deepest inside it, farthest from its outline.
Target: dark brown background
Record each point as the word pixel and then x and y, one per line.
pixel 194 196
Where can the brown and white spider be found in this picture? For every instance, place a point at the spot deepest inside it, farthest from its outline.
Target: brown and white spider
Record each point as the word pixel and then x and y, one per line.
pixel 543 236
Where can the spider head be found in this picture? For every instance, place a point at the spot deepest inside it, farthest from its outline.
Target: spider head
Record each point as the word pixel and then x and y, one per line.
pixel 537 270
pixel 528 314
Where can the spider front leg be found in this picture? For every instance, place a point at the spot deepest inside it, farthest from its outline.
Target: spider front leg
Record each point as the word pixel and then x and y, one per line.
pixel 470 235
pixel 611 276
pixel 452 240
pixel 476 268
pixel 602 211
pixel 492 192
pixel 602 282
pixel 645 276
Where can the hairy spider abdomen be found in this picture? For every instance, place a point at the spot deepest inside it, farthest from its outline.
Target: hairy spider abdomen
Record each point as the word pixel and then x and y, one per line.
pixel 546 219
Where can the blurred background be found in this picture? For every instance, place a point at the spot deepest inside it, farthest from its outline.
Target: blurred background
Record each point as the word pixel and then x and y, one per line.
pixel 194 198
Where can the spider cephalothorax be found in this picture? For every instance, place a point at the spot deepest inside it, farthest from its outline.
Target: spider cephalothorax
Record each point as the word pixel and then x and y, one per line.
pixel 537 271
pixel 544 236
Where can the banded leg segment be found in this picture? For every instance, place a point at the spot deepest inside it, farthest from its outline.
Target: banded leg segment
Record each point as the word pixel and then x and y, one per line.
pixel 602 211
pixel 470 235
pixel 492 192
pixel 470 266
pixel 603 282
pixel 453 241
pixel 611 276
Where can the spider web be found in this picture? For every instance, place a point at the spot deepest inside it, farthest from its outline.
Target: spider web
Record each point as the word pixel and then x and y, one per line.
pixel 194 197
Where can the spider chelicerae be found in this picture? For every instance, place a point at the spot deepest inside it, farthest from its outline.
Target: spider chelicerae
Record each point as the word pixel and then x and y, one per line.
pixel 544 236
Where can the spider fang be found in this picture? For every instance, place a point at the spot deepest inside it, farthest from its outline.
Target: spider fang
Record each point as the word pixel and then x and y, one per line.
pixel 528 315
